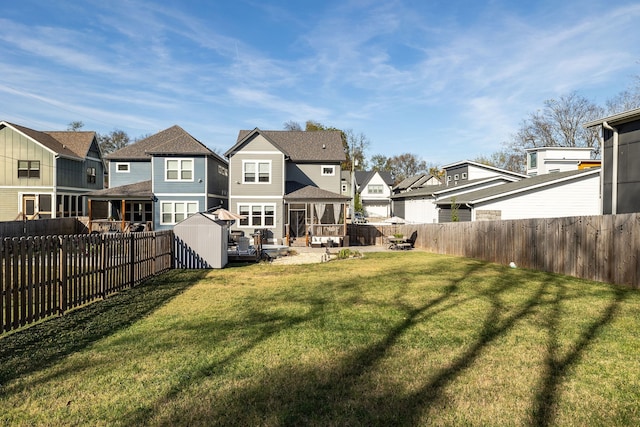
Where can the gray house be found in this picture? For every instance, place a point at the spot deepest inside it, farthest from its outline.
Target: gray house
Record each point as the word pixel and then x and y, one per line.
pixel 620 149
pixel 288 184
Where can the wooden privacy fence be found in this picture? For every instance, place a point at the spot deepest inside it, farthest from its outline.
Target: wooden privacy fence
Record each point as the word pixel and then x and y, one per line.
pixel 45 276
pixel 602 248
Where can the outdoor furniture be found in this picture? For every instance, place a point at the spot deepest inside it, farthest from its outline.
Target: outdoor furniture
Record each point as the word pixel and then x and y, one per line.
pixel 399 243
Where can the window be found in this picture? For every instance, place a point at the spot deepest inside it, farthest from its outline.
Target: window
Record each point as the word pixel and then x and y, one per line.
pixel 257 215
pixel 448 178
pixel 533 160
pixel 122 168
pixel 328 170
pixel 173 212
pixel 91 175
pixel 374 189
pixel 28 169
pixel 179 169
pixel 464 175
pixel 456 177
pixel 256 171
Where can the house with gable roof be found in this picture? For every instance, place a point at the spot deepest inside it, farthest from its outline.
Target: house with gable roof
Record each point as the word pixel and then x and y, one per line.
pixel 46 174
pixel 415 182
pixel 374 188
pixel 160 180
pixel 550 195
pixel 418 204
pixel 288 184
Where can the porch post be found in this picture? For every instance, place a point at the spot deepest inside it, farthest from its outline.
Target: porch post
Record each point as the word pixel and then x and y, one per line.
pixel 90 213
pixel 123 214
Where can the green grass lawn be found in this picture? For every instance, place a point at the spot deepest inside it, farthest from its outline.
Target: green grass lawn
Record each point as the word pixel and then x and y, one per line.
pixel 390 339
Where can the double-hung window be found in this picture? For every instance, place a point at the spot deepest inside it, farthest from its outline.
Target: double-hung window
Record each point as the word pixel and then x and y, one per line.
pixel 91 175
pixel 257 215
pixel 256 171
pixel 28 169
pixel 178 169
pixel 174 212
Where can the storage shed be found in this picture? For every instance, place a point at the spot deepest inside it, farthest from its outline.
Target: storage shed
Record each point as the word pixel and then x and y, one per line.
pixel 201 241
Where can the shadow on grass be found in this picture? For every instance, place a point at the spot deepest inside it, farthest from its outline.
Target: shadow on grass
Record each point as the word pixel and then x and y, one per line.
pixel 333 395
pixel 43 344
pixel 557 365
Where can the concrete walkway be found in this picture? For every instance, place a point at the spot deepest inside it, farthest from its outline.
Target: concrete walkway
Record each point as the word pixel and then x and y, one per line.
pixel 308 255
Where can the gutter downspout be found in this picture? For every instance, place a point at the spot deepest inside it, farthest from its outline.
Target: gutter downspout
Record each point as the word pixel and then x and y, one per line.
pixel 614 168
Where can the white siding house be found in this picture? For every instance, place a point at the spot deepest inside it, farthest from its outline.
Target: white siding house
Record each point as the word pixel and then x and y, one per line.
pixel 541 160
pixel 562 194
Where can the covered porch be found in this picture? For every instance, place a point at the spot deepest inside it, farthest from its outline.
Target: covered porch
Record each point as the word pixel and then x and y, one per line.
pixel 315 217
pixel 121 209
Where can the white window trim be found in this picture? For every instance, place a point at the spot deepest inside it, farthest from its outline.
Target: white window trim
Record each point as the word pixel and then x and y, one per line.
pixel 332 167
pixel 256 163
pixel 376 186
pixel 180 160
pixel 173 210
pixel 250 218
pixel 127 164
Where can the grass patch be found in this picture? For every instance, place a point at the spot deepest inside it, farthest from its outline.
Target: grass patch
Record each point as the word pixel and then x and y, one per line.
pixel 392 339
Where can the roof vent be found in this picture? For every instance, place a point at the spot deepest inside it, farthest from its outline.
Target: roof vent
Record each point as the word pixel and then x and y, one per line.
pixel 324 146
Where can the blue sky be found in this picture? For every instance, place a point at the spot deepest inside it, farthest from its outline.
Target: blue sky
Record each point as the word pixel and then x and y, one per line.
pixel 445 80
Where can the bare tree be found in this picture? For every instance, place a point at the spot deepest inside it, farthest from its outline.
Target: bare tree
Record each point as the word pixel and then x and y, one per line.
pixel 628 99
pixel 75 126
pixel 291 125
pixel 558 124
pixel 113 141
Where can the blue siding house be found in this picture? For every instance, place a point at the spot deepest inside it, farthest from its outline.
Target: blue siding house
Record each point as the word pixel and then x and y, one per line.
pixel 161 180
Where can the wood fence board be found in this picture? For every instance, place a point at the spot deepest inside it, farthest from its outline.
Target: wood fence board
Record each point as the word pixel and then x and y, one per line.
pixel 46 276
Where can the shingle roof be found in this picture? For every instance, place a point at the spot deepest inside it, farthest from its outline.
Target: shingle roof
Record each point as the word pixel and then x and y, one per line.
pixel 520 186
pixel 441 189
pixel 363 177
pixel 141 190
pixel 49 141
pixel 301 146
pixel 77 141
pixel 298 191
pixel 173 140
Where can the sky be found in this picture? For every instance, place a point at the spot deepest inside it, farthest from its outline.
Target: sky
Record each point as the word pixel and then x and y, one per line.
pixel 444 80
